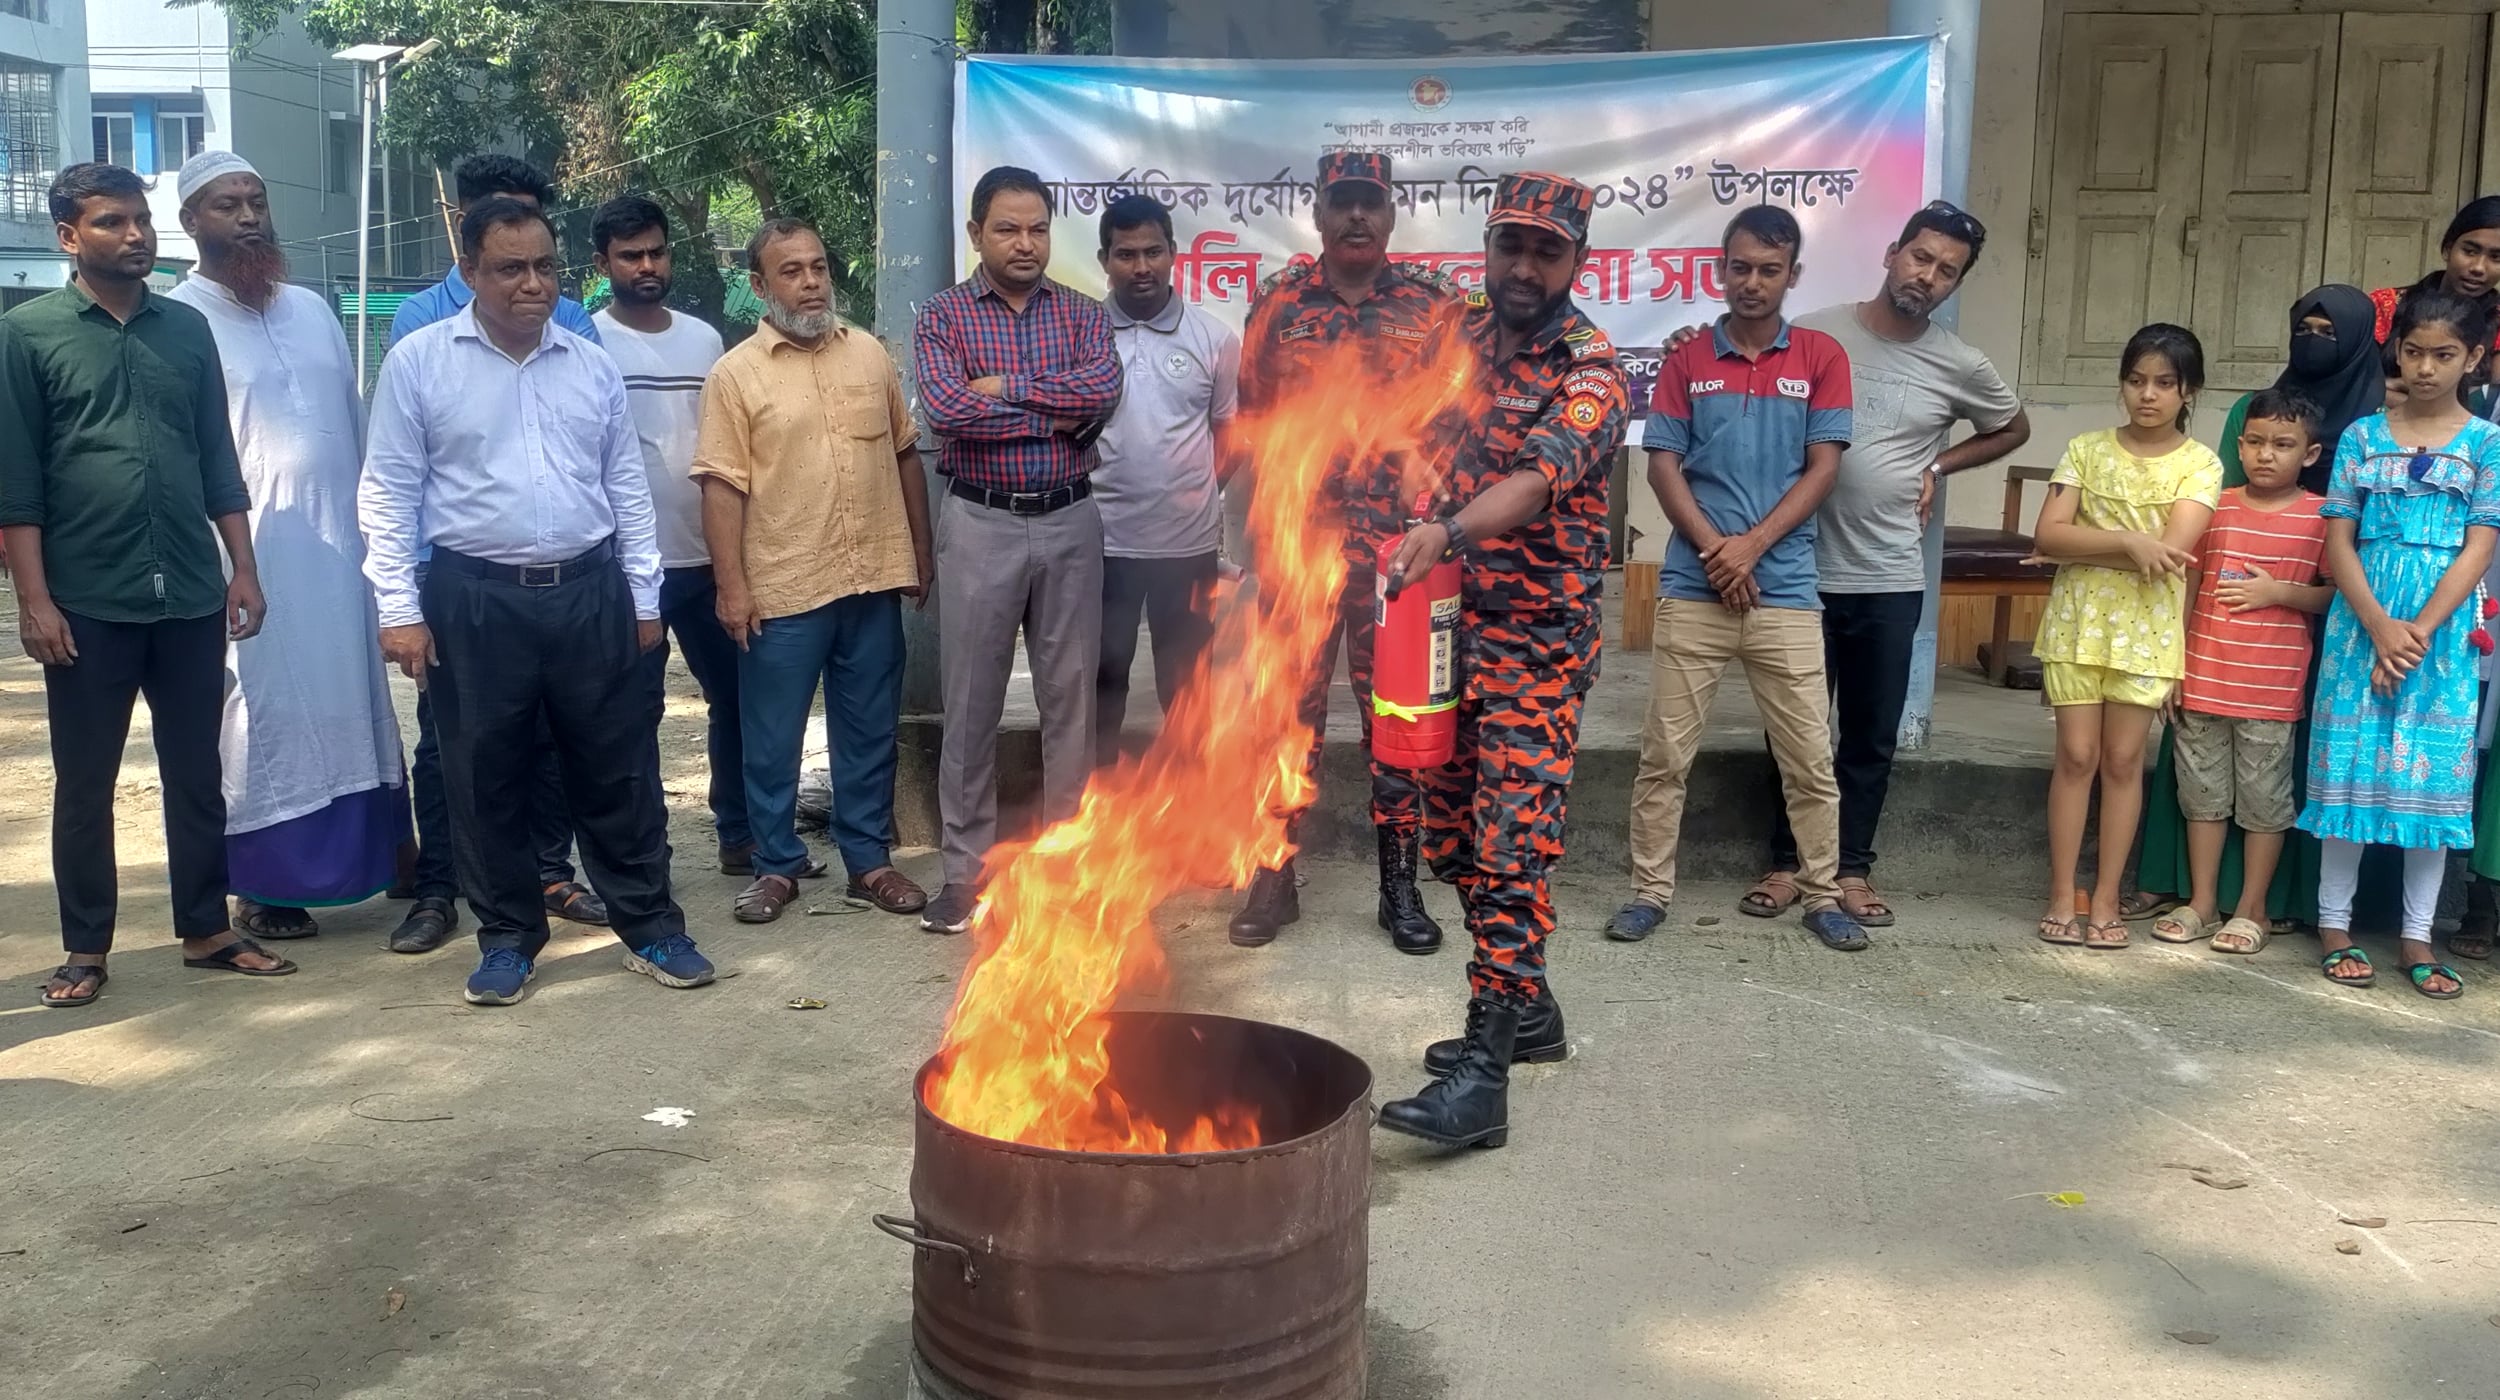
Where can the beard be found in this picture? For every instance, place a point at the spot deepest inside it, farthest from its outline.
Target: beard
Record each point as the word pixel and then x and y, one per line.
pixel 1908 303
pixel 1528 321
pixel 252 271
pixel 797 324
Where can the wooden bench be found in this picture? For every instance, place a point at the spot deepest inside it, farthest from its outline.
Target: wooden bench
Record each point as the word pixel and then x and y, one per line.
pixel 1986 563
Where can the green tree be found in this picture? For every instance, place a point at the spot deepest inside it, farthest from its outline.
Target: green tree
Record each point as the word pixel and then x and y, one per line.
pixel 766 109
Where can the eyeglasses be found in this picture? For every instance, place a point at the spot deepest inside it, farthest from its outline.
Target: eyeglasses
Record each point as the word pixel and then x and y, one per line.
pixel 1957 222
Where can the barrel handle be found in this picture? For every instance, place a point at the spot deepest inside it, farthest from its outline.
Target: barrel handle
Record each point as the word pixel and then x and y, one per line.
pixel 911 1232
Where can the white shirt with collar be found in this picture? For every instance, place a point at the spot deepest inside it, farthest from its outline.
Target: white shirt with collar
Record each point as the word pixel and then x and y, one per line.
pixel 532 461
pixel 1156 483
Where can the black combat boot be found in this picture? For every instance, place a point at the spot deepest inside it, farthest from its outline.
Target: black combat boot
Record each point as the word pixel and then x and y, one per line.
pixel 1410 927
pixel 1471 1107
pixel 1273 903
pixel 1540 1040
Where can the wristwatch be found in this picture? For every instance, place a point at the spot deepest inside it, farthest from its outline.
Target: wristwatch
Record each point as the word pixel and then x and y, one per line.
pixel 1458 538
pixel 1936 469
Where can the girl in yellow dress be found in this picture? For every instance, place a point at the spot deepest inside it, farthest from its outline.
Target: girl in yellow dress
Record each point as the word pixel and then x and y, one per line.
pixel 2125 509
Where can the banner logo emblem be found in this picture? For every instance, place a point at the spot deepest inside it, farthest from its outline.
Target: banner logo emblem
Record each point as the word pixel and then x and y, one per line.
pixel 1429 94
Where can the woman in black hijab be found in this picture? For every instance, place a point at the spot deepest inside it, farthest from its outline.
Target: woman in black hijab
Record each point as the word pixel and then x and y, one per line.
pixel 2334 364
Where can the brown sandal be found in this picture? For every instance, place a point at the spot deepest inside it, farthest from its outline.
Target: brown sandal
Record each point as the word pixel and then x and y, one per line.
pixel 2067 931
pixel 1773 895
pixel 1859 900
pixel 2092 936
pixel 888 889
pixel 763 901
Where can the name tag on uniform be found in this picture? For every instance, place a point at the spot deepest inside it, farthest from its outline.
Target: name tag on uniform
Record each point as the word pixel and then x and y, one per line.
pixel 1514 401
pixel 1795 388
pixel 1395 332
pixel 1303 331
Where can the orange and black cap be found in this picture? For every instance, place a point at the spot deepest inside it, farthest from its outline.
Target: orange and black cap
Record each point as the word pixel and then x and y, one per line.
pixel 1538 200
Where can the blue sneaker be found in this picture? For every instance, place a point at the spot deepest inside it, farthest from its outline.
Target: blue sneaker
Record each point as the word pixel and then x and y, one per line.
pixel 671 962
pixel 1635 921
pixel 499 978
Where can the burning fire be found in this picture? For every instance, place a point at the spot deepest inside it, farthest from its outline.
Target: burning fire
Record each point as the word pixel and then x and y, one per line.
pixel 1067 922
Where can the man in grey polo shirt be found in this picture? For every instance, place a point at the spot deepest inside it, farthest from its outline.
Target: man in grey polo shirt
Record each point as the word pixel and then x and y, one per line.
pixel 1911 381
pixel 1158 484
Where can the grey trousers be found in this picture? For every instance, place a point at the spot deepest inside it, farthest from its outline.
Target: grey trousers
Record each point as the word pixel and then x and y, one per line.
pixel 997 572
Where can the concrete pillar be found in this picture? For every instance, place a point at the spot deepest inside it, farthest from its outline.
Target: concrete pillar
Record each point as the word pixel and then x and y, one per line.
pixel 915 235
pixel 1958 22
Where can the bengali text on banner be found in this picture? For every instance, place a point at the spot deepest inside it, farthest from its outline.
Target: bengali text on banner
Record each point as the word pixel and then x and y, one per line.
pixel 1843 135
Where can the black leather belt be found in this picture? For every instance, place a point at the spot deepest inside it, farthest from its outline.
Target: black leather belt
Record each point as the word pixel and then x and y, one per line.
pixel 1022 502
pixel 527 575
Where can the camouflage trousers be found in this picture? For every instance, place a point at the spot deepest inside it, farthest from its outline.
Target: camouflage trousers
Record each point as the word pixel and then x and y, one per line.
pixel 1493 826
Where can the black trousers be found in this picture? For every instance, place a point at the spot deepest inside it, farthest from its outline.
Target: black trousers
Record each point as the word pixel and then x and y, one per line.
pixel 511 654
pixel 180 666
pixel 1867 641
pixel 1176 597
pixel 551 821
pixel 687 605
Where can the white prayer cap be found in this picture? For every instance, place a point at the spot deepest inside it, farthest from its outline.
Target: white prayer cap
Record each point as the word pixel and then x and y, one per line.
pixel 207 166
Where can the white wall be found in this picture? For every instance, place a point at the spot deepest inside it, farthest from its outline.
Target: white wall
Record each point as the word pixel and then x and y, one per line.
pixel 59 43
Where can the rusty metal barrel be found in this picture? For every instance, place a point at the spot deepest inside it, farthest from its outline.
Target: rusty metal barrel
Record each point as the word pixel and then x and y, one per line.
pixel 1049 1275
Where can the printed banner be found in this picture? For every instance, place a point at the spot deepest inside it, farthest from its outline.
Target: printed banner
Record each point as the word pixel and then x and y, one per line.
pixel 1843 134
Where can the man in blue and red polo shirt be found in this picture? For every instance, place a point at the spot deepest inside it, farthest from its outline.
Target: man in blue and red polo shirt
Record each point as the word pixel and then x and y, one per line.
pixel 1744 438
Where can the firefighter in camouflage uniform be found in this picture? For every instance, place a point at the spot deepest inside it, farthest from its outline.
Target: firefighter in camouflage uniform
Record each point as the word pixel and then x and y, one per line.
pixel 1525 513
pixel 1353 292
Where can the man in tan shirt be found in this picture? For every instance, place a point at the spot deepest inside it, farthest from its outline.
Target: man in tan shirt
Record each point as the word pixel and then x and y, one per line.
pixel 817 518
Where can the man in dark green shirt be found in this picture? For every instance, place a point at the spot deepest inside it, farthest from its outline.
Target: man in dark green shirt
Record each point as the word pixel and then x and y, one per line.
pixel 115 460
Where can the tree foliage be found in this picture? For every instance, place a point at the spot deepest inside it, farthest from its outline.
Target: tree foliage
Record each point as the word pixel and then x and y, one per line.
pixel 724 113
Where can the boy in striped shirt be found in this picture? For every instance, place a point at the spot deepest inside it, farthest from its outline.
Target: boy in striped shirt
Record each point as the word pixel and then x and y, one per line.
pixel 2249 645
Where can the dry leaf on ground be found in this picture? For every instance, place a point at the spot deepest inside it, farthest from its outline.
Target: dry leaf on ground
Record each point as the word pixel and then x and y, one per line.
pixel 2348 1246
pixel 2366 1222
pixel 2195 1339
pixel 2219 1183
pixel 394 1300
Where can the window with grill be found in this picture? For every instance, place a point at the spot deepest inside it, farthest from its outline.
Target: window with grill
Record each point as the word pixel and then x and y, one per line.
pixel 30 142
pixel 40 11
pixel 113 142
pixel 179 136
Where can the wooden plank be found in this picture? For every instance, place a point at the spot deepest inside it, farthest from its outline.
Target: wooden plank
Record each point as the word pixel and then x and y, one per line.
pixel 1640 606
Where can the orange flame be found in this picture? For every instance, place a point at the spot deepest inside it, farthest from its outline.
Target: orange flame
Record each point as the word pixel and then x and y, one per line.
pixel 1066 924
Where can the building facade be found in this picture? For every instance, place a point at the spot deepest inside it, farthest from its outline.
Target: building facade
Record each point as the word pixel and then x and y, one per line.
pixel 43 106
pixel 168 83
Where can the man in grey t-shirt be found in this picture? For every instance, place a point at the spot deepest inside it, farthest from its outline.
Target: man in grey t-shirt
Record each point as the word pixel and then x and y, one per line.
pixel 1158 483
pixel 1910 381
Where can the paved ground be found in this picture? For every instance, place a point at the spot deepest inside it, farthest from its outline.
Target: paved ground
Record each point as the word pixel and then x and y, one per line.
pixel 1770 1171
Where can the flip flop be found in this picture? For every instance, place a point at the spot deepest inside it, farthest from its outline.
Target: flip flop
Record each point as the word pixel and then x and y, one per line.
pixel 253 918
pixel 2338 958
pixel 2180 925
pixel 1837 930
pixel 223 960
pixel 2066 932
pixel 1870 910
pixel 2139 906
pixel 2107 945
pixel 76 973
pixel 1772 895
pixel 2250 930
pixel 2423 972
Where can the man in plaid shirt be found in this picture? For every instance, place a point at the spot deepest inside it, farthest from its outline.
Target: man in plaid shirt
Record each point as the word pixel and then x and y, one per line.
pixel 1017 375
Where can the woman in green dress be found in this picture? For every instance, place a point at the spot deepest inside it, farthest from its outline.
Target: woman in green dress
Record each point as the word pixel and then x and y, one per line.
pixel 2335 364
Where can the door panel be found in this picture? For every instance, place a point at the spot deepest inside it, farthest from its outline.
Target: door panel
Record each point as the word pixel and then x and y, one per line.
pixel 2125 173
pixel 2259 234
pixel 2408 106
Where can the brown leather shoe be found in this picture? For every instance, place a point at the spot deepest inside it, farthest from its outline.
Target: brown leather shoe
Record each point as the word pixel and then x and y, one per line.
pixel 888 889
pixel 763 901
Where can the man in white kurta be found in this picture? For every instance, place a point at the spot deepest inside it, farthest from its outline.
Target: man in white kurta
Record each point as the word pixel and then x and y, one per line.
pixel 316 806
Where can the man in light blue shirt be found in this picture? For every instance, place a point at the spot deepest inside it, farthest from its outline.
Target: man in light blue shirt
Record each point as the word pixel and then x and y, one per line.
pixel 431 883
pixel 503 442
pixel 477 178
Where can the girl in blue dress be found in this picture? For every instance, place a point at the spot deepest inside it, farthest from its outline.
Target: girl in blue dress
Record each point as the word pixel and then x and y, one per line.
pixel 2412 514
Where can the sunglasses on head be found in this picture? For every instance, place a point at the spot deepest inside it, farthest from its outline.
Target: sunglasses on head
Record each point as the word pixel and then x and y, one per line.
pixel 1957 222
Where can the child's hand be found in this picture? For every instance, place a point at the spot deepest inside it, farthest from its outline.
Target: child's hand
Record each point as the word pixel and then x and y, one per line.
pixel 2258 590
pixel 2155 559
pixel 2400 644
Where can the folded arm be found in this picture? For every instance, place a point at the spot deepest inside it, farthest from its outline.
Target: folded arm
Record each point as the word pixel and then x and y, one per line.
pixel 954 408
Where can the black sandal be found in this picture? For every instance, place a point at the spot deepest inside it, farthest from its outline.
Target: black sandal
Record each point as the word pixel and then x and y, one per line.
pixel 75 974
pixel 223 960
pixel 271 921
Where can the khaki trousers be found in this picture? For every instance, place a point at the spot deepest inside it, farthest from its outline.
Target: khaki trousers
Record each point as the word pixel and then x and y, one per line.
pixel 1782 650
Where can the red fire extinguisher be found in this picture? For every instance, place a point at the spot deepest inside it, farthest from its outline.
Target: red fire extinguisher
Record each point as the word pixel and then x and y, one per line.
pixel 1415 666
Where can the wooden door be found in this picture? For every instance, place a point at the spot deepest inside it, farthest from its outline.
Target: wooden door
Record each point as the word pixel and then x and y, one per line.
pixel 2259 233
pixel 2408 105
pixel 2125 174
